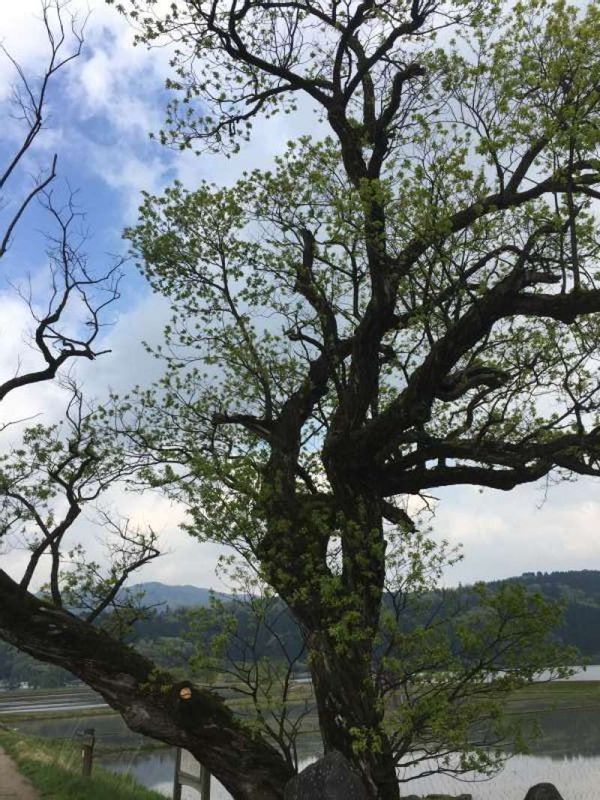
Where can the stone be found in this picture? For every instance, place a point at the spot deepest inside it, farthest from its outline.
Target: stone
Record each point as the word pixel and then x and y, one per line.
pixel 448 797
pixel 329 778
pixel 543 791
pixel 439 797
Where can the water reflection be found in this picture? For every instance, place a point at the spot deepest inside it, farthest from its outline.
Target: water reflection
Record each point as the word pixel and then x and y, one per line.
pixel 567 754
pixel 576 777
pixel 569 733
pixel 154 770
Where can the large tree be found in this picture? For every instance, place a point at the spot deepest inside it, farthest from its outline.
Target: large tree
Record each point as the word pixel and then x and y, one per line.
pixel 406 302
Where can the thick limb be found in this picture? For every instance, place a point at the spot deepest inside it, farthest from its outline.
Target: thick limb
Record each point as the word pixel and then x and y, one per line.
pixel 147 698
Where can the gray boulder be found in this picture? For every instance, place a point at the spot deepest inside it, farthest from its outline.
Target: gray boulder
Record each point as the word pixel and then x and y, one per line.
pixel 329 778
pixel 439 797
pixel 543 791
pixel 448 797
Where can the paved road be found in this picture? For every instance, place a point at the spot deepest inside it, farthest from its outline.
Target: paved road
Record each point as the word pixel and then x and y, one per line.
pixel 35 701
pixel 12 785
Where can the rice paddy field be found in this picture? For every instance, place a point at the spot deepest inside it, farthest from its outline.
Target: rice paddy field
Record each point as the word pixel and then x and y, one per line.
pixel 566 754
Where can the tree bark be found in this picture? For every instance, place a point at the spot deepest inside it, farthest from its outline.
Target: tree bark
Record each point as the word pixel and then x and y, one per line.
pixel 350 716
pixel 340 617
pixel 146 697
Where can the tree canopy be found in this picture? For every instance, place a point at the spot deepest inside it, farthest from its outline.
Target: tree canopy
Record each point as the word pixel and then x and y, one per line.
pixel 401 303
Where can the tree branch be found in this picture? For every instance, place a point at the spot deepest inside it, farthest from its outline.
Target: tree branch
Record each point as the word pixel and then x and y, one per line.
pixel 147 698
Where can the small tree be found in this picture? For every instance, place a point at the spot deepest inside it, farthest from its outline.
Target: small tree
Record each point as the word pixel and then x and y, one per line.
pixel 46 482
pixel 443 663
pixel 249 645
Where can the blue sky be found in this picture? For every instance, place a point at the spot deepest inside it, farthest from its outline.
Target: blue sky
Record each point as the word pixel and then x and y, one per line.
pixel 102 108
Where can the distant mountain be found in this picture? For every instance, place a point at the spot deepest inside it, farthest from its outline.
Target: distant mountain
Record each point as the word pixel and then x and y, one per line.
pixel 579 590
pixel 580 587
pixel 173 597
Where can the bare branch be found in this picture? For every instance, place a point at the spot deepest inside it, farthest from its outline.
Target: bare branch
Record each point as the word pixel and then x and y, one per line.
pixel 32 100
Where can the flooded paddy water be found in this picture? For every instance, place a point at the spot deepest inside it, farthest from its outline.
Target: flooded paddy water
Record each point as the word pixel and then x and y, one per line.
pixel 567 754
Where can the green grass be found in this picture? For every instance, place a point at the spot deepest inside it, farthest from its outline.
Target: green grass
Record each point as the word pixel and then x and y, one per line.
pixel 560 695
pixel 54 768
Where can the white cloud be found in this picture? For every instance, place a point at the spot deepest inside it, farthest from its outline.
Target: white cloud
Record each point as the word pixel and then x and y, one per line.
pixel 184 560
pixel 128 363
pixel 24 37
pixel 527 529
pixel 129 175
pixel 111 97
pixel 115 80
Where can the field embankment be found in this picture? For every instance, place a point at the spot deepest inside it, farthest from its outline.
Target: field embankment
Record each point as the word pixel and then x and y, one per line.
pixel 557 695
pixel 54 769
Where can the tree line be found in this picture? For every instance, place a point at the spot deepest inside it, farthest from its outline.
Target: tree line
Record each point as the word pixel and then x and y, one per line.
pixel 165 634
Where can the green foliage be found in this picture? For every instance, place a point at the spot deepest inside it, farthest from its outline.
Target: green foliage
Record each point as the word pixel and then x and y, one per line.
pixel 408 301
pixel 449 665
pixel 247 646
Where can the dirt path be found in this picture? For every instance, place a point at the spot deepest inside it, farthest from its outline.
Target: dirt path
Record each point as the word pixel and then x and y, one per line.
pixel 12 785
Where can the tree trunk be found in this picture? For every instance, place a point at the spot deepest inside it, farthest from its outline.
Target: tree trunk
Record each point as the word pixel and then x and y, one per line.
pixel 351 715
pixel 147 698
pixel 341 647
pixel 339 615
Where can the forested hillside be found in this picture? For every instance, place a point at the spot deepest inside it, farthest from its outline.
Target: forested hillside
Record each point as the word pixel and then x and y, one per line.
pixel 581 592
pixel 163 633
pixel 578 590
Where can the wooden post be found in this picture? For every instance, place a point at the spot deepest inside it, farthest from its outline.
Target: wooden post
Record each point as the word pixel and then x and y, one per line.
pixel 87 752
pixel 176 784
pixel 204 783
pixel 201 782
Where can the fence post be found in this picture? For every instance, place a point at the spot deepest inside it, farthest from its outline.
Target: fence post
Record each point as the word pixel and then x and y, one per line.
pixel 201 782
pixel 176 784
pixel 87 752
pixel 204 783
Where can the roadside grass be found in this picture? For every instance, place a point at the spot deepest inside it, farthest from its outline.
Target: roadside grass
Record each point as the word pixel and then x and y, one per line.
pixel 54 768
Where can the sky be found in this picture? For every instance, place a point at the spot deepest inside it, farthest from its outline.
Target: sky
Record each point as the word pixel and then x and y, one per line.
pixel 101 110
